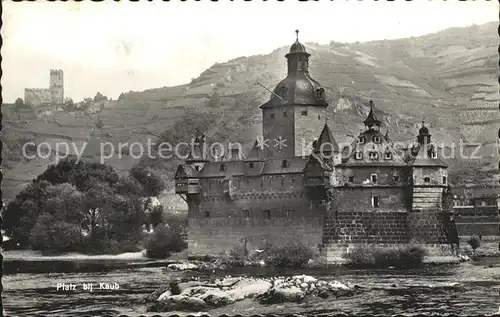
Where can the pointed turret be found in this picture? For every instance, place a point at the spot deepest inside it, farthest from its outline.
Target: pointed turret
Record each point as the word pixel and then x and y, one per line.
pixel 326 144
pixel 423 135
pixel 256 154
pixel 371 120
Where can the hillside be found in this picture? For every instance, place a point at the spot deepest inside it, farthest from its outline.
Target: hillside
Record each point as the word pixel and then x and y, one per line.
pixel 449 79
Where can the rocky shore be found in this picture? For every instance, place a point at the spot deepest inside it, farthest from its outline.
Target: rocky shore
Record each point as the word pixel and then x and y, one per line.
pixel 196 295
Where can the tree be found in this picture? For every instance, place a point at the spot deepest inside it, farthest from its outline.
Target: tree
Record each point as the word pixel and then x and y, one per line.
pixel 152 184
pixel 18 104
pixel 55 235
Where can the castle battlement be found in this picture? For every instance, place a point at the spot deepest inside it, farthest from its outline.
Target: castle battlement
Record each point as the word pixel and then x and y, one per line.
pixel 52 95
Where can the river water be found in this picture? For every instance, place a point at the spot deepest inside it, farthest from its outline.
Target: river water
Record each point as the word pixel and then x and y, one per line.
pixel 30 289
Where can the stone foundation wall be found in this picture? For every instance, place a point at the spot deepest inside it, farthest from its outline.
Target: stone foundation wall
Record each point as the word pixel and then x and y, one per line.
pixel 432 227
pixel 211 236
pixel 345 231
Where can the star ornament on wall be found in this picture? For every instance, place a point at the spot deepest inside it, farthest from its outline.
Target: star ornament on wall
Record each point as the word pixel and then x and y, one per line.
pixel 280 143
pixel 261 142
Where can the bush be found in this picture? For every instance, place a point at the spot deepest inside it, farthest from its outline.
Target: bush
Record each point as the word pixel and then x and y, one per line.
pixel 164 241
pixel 55 236
pixel 292 254
pixel 474 242
pixel 403 257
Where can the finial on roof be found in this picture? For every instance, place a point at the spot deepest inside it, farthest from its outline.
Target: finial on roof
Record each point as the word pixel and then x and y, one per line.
pixel 297 35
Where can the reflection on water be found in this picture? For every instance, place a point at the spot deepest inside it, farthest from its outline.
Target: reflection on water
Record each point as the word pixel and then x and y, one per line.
pixel 459 289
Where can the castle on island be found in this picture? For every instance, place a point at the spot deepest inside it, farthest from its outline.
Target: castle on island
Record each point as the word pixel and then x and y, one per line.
pixel 308 188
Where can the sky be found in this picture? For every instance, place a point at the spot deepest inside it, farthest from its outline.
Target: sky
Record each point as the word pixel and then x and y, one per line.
pixel 114 47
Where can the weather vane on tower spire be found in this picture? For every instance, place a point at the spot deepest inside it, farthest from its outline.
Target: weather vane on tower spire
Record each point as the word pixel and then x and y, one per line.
pixel 297 34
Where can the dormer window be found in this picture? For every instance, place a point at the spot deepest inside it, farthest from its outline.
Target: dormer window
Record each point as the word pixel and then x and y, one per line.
pixel 351 179
pixel 285 164
pixel 361 140
pixel 222 168
pixel 376 139
pixel 320 93
pixel 374 178
pixel 444 180
pixel 373 155
pixel 427 179
pixel 283 92
pixel 359 155
pixel 388 155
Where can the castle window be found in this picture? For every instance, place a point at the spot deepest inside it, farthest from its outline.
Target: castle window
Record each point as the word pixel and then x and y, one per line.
pixel 248 181
pixel 388 155
pixel 250 164
pixel 351 179
pixel 373 155
pixel 359 155
pixel 293 180
pixel 374 178
pixel 304 112
pixel 246 213
pixel 361 140
pixel 319 117
pixel 444 179
pixel 285 164
pixel 396 178
pixel 207 214
pixel 285 114
pixel 272 115
pixel 267 214
pixel 375 201
pixel 376 139
pixel 222 167
pixel 427 179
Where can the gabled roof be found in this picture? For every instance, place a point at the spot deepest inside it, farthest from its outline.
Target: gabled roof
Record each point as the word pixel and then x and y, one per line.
pixel 316 159
pixel 185 171
pixel 369 146
pixel 295 164
pixel 231 168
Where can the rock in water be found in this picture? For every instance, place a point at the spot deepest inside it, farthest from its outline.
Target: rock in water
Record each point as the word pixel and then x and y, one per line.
pixel 247 288
pixel 178 303
pixel 281 295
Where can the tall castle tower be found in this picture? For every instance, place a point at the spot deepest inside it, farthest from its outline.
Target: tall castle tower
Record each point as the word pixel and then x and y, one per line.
pixel 294 116
pixel 56 86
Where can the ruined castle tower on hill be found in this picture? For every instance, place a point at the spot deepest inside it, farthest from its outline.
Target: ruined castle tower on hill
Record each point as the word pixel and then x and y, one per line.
pixel 54 95
pixel 296 183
